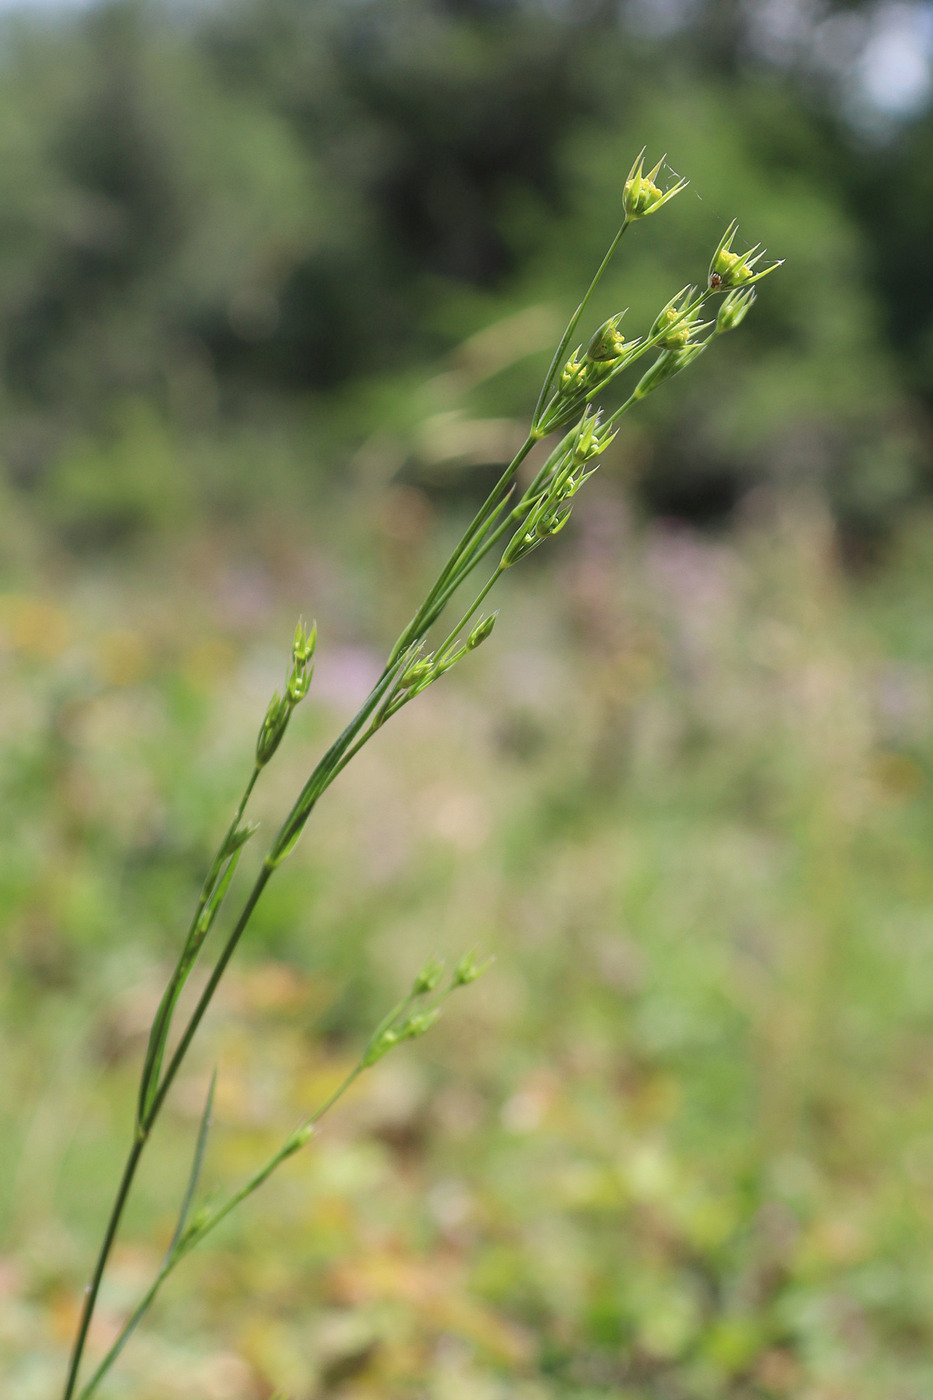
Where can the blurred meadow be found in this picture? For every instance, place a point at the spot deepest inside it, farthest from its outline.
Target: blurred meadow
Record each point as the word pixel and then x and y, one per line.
pixel 278 283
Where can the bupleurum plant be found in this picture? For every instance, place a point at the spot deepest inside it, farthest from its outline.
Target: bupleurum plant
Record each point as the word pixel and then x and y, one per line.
pixel 511 523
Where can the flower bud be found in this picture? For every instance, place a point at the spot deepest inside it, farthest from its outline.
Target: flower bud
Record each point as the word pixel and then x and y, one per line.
pixel 734 309
pixel 298 1138
pixel 418 674
pixel 677 324
pixel 417 1024
pixel 607 343
pixel 380 1045
pixel 428 978
pixel 239 837
pixel 468 969
pixel 640 194
pixel 729 269
pixel 305 642
pixel 572 376
pixel 272 728
pixel 669 363
pixel 480 632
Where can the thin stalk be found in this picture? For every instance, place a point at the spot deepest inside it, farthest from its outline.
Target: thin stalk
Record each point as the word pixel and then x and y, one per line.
pixel 181 1247
pixel 565 339
pixel 145 1127
pixel 93 1288
pixel 477 601
pixel 478 539
pixel 206 996
pixel 182 1244
pixel 482 548
pixel 139 1140
pixel 217 879
pixel 146 1121
pixel 429 612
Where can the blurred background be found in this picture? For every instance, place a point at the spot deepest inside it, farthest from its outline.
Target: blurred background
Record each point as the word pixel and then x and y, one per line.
pixel 278 282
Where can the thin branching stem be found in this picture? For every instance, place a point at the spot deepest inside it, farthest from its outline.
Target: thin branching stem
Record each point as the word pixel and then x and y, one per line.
pixel 572 324
pixel 93 1288
pixel 541 509
pixel 437 597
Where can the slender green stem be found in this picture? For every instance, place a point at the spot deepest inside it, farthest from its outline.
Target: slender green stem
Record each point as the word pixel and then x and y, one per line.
pixel 128 1328
pixel 475 543
pixel 477 601
pixel 212 892
pixel 145 1127
pixel 93 1288
pixel 516 512
pixel 139 1140
pixel 206 996
pixel 181 1247
pixel 565 339
pixel 432 606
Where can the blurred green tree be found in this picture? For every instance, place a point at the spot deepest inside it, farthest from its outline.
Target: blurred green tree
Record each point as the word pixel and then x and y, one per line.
pixel 236 213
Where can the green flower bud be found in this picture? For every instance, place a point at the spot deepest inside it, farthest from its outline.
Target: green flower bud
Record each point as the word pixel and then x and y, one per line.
pixel 418 674
pixel 380 1045
pixel 298 1138
pixel 480 632
pixel 729 269
pixel 272 728
pixel 573 377
pixel 669 363
pixel 607 343
pixel 298 684
pixel 239 838
pixel 417 1024
pixel 305 642
pixel 428 978
pixel 676 325
pixel 734 309
pixel 640 194
pixel 468 969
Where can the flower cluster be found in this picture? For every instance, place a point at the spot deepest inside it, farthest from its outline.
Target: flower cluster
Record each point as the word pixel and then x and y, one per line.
pixel 549 508
pixel 407 1021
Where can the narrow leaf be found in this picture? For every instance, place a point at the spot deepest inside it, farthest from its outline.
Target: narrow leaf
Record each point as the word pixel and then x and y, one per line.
pixel 196 1165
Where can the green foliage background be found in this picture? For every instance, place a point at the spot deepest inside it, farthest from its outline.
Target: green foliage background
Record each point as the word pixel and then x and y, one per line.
pixel 277 285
